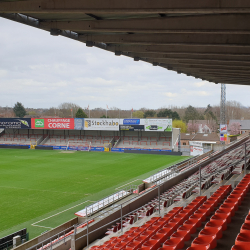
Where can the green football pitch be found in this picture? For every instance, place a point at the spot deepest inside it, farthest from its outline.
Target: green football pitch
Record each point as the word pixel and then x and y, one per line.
pixel 40 189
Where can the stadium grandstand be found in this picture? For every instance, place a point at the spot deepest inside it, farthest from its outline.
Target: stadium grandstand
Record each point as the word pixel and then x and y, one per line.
pixel 116 135
pixel 200 203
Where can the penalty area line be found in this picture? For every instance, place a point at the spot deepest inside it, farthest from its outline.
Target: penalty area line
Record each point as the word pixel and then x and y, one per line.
pixel 127 184
pixel 34 224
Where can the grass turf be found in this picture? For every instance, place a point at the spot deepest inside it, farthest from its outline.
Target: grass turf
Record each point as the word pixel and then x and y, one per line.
pixel 38 184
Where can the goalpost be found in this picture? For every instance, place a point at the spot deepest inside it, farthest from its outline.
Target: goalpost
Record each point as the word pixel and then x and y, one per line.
pixel 78 146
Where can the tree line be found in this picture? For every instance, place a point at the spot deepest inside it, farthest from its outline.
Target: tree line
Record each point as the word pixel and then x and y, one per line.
pixel 181 115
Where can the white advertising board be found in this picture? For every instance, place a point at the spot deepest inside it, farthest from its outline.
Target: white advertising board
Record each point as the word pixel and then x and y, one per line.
pixel 223 128
pixel 157 124
pixel 195 143
pixel 196 151
pixel 101 124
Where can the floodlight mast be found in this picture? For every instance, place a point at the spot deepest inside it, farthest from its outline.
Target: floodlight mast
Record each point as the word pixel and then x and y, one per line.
pixel 223 104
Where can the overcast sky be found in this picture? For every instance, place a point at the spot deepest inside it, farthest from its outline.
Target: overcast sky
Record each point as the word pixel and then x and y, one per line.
pixel 42 71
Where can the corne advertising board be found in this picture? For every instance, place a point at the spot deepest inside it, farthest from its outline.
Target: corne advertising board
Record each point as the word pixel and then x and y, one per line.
pixel 15 123
pixel 101 124
pixel 157 125
pixel 52 123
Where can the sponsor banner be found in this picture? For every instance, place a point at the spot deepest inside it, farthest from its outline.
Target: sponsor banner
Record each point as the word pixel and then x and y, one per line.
pixel 59 147
pixel 196 151
pixel 52 123
pixel 117 150
pixel 15 123
pixel 79 123
pixel 101 124
pixel 223 128
pixel 131 122
pixel 97 149
pixel 140 149
pixel 15 145
pixel 132 127
pixel 158 125
pixel 223 137
pixel 195 143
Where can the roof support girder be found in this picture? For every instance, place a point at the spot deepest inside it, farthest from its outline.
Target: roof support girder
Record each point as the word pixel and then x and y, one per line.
pixel 127 6
pixel 217 24
pixel 202 39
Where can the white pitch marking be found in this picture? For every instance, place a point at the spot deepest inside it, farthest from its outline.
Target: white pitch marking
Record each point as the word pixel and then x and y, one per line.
pixel 33 224
pixel 128 183
pixel 41 226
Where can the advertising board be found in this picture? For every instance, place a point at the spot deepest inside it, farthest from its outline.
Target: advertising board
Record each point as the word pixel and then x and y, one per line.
pixel 15 123
pixel 157 125
pixel 130 121
pixel 52 123
pixel 223 128
pixel 195 143
pixel 196 151
pixel 223 137
pixel 79 123
pixel 132 127
pixel 101 124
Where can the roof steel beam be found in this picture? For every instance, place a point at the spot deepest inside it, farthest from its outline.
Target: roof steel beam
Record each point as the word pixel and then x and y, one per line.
pixel 209 66
pixel 127 6
pixel 195 56
pixel 217 24
pixel 191 61
pixel 176 39
pixel 216 72
pixel 183 49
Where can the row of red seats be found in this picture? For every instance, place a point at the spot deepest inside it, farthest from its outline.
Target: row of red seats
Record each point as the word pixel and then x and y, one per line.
pixel 207 238
pixel 242 241
pixel 155 231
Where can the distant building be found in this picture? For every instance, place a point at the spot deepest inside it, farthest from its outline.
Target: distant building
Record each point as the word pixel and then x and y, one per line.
pixel 185 138
pixel 244 125
pixel 205 126
pixel 206 138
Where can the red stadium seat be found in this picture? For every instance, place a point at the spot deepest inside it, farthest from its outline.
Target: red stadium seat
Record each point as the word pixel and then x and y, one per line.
pixel 205 240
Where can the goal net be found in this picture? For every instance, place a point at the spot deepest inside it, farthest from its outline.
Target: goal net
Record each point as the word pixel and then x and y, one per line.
pixel 79 146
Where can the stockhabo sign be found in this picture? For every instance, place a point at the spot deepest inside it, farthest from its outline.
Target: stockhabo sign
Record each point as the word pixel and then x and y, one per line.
pixel 15 123
pixel 52 123
pixel 101 124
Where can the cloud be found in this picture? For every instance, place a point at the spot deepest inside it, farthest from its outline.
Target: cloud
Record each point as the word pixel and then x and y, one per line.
pixel 199 84
pixel 43 71
pixel 169 94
